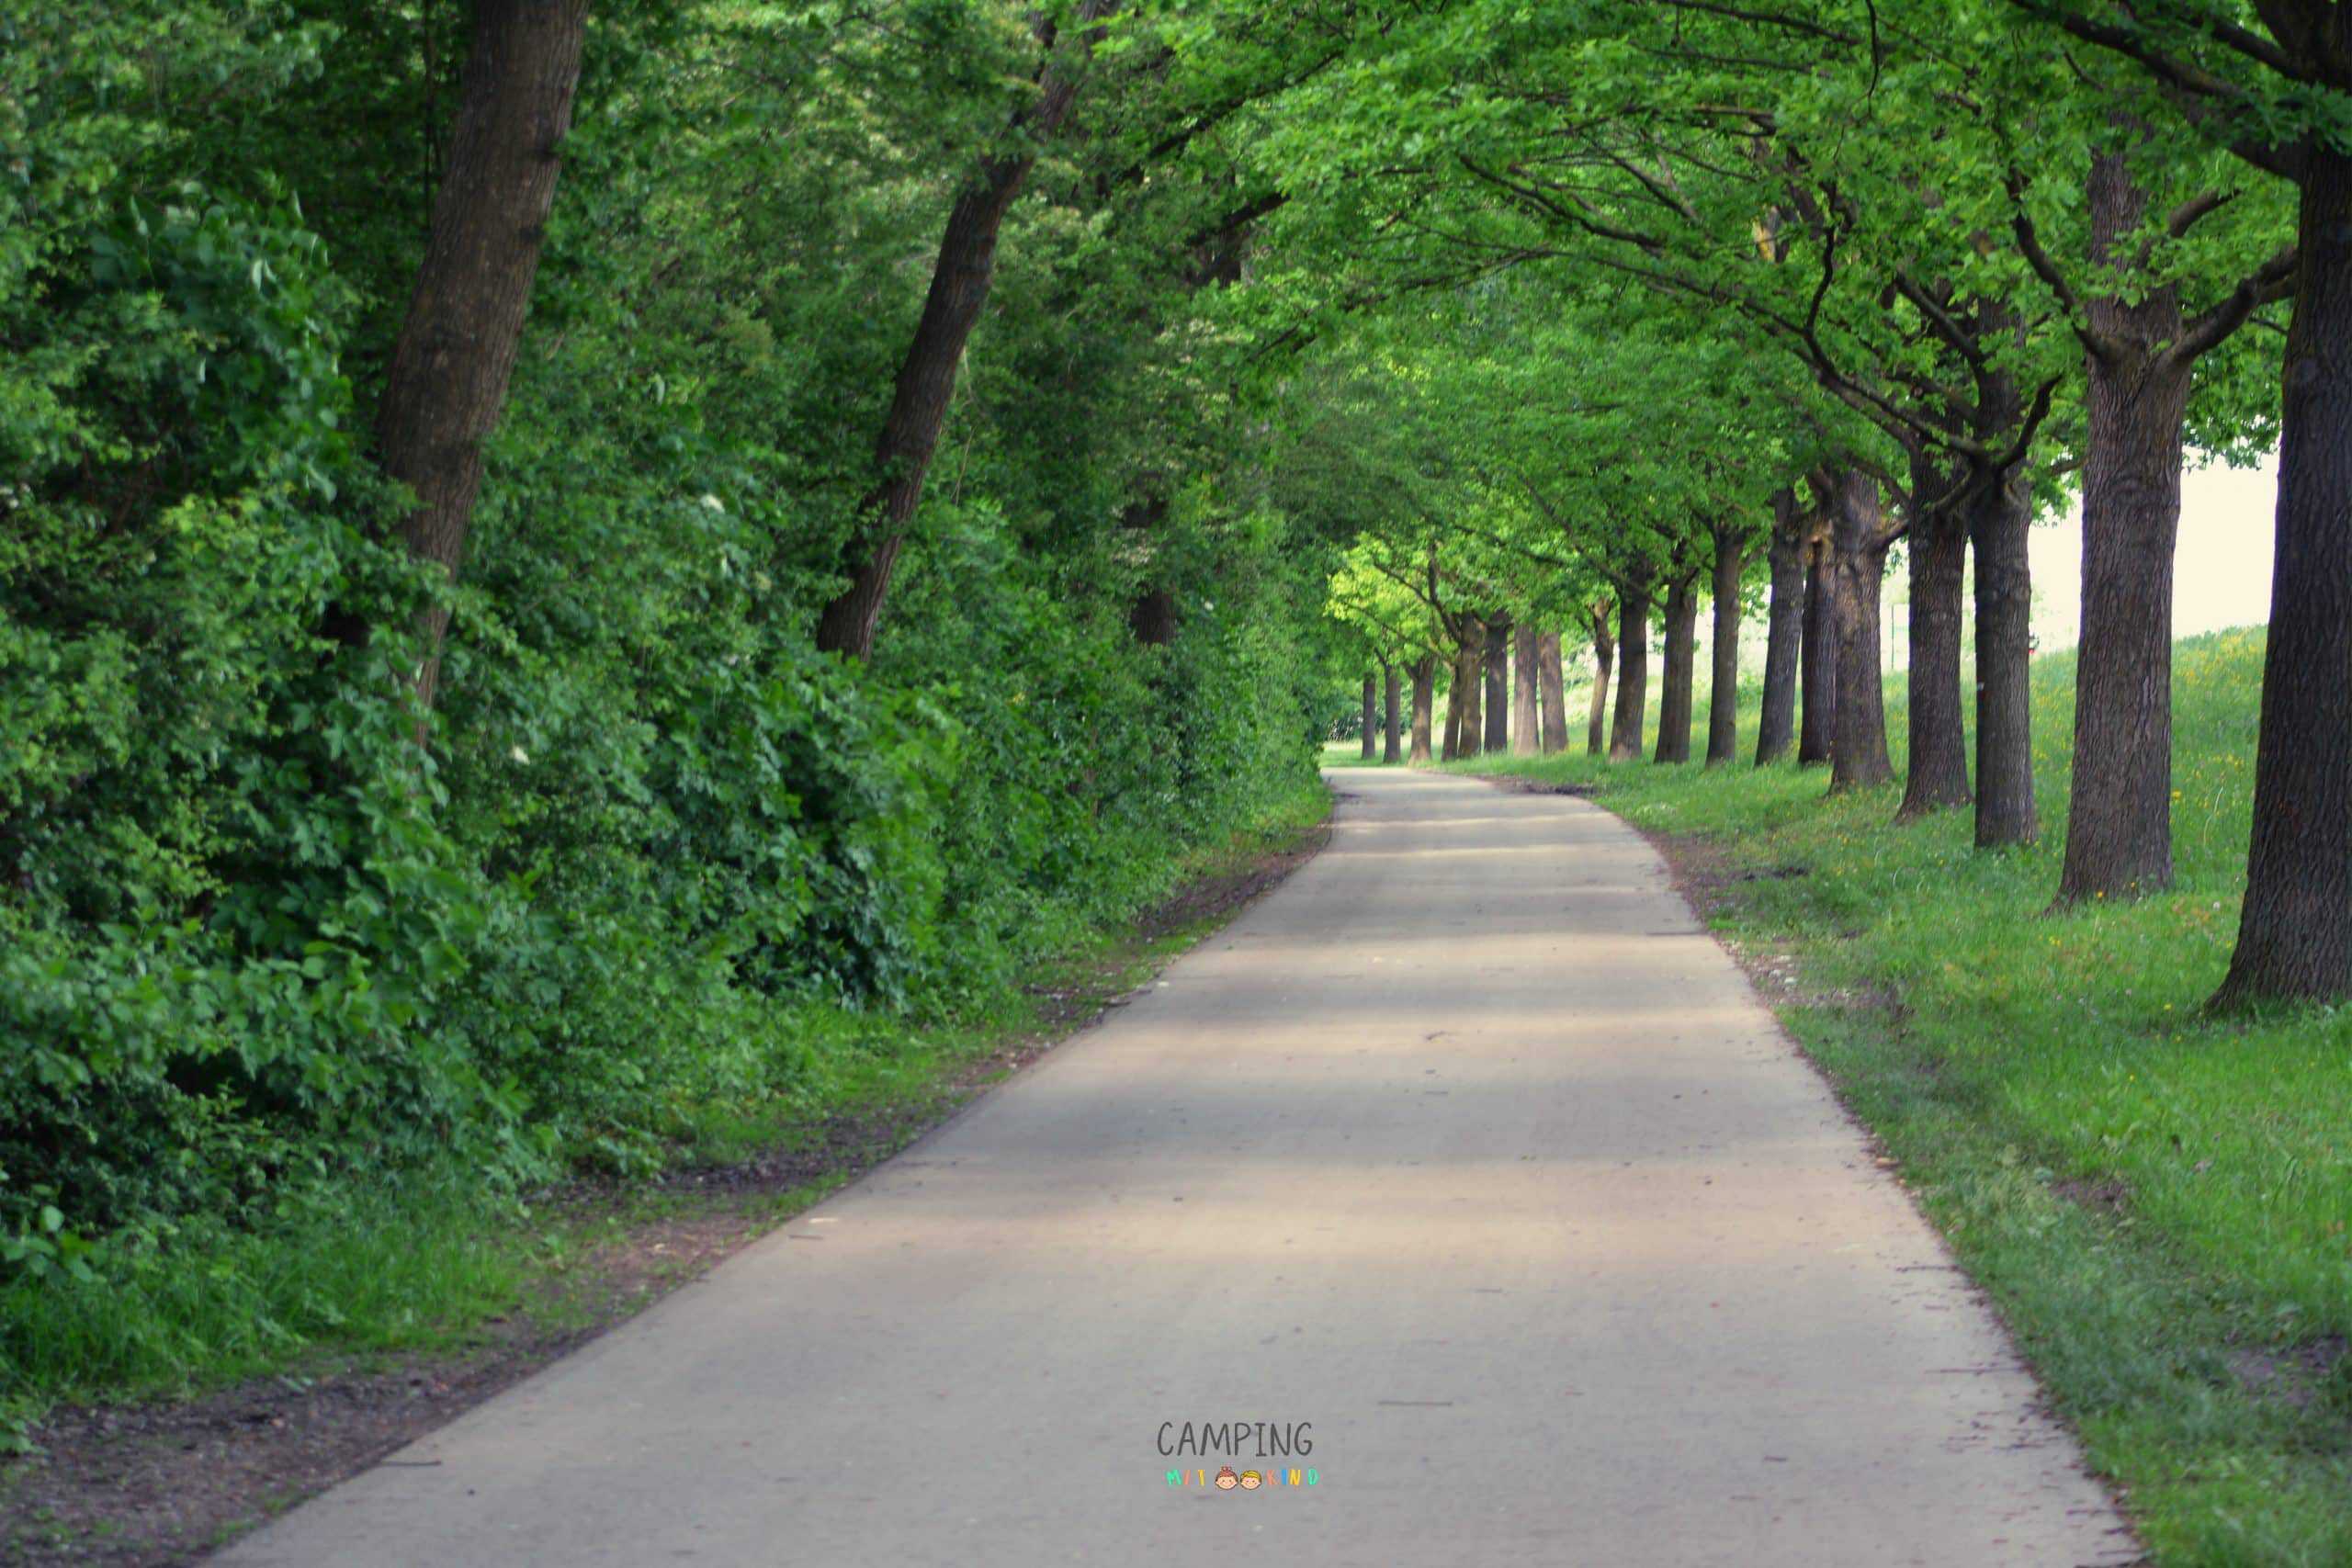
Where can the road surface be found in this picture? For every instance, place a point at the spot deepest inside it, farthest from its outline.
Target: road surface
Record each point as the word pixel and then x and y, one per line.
pixel 1464 1162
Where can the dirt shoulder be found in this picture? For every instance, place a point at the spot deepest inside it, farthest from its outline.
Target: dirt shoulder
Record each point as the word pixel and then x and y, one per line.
pixel 156 1485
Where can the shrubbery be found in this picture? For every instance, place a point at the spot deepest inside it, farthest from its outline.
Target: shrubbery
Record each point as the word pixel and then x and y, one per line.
pixel 254 942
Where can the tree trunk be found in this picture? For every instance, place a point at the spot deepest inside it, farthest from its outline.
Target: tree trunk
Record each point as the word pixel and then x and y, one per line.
pixel 1784 632
pixel 1525 712
pixel 2000 526
pixel 1674 703
pixel 1818 735
pixel 1370 729
pixel 2295 928
pixel 960 279
pixel 1393 751
pixel 1424 705
pixel 1722 681
pixel 1858 755
pixel 1152 615
pixel 1468 676
pixel 1498 686
pixel 2119 821
pixel 1554 684
pixel 1605 653
pixel 454 356
pixel 1937 766
pixel 1453 713
pixel 1633 672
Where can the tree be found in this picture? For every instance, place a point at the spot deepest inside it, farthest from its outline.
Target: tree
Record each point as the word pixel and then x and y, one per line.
pixel 960 277
pixel 448 381
pixel 1729 537
pixel 2273 95
pixel 1676 691
pixel 1555 697
pixel 1604 651
pixel 1784 636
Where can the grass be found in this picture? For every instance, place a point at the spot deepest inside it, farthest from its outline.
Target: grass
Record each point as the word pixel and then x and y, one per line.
pixel 425 1265
pixel 2157 1200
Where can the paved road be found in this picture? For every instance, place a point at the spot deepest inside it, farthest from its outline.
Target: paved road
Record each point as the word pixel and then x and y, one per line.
pixel 1466 1154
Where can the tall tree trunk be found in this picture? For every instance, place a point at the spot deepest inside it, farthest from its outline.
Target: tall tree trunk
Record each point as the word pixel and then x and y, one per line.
pixel 1498 686
pixel 454 355
pixel 1371 718
pixel 2000 526
pixel 1424 705
pixel 1633 672
pixel 1674 703
pixel 1818 735
pixel 1722 681
pixel 1604 654
pixel 2295 928
pixel 1469 676
pixel 2119 821
pixel 1553 680
pixel 1859 755
pixel 1784 631
pixel 1526 717
pixel 960 279
pixel 1152 615
pixel 1394 751
pixel 1936 773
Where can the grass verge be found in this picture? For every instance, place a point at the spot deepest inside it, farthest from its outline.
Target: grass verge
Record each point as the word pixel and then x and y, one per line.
pixel 161 1412
pixel 2157 1202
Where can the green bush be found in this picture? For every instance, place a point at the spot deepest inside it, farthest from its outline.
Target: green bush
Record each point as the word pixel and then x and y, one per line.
pixel 659 861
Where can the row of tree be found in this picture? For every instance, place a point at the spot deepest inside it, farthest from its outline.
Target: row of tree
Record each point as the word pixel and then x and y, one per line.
pixel 1771 291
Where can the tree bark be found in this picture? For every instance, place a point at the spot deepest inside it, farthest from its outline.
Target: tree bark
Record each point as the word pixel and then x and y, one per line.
pixel 2000 526
pixel 1526 716
pixel 1818 735
pixel 2295 928
pixel 1675 696
pixel 1860 538
pixel 1604 654
pixel 1723 683
pixel 1152 616
pixel 2119 821
pixel 1452 745
pixel 1393 751
pixel 1424 705
pixel 1634 671
pixel 1469 675
pixel 1935 768
pixel 1498 686
pixel 961 277
pixel 1784 632
pixel 1370 727
pixel 1553 680
pixel 454 356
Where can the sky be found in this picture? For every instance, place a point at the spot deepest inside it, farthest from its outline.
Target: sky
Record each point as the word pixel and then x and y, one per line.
pixel 2220 572
pixel 2221 576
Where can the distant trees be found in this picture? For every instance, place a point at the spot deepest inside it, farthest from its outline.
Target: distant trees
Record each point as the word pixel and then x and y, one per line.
pixel 2177 188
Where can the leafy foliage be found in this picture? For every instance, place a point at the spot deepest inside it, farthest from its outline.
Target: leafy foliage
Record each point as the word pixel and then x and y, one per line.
pixel 659 859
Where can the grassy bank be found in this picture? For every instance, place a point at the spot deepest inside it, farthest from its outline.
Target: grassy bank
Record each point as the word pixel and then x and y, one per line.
pixel 2158 1202
pixel 422 1267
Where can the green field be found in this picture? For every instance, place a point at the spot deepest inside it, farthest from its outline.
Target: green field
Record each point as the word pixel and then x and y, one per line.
pixel 2158 1202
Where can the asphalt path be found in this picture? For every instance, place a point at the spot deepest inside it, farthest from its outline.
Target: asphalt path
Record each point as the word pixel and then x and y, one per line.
pixel 1461 1179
